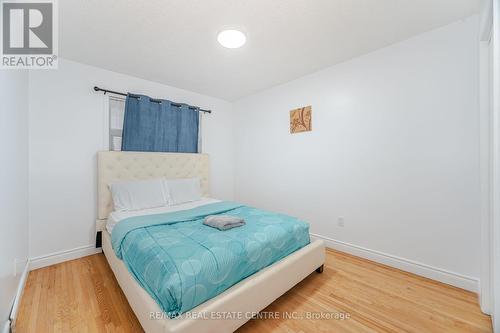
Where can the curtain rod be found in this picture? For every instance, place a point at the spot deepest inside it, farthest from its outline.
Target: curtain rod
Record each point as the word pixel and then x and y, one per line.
pixel 96 88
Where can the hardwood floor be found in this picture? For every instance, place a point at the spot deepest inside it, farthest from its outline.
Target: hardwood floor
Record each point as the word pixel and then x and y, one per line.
pixel 83 296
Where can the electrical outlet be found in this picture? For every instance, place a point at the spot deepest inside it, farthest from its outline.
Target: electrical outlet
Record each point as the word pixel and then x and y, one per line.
pixel 15 267
pixel 340 221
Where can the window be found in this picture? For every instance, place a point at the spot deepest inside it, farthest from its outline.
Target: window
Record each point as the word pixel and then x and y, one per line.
pixel 116 114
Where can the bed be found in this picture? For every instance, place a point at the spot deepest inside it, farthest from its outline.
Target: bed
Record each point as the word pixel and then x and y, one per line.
pixel 240 299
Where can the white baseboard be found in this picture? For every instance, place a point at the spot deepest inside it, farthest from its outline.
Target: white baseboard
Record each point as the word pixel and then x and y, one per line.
pixel 434 273
pixel 6 327
pixel 58 257
pixel 19 292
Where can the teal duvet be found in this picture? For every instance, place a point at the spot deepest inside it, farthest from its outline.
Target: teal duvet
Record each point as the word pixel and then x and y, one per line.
pixel 181 262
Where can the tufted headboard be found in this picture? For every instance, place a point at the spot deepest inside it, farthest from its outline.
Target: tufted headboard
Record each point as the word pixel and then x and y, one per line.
pixel 115 166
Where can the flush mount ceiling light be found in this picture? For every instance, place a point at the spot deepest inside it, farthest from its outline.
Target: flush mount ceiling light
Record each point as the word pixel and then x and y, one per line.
pixel 232 39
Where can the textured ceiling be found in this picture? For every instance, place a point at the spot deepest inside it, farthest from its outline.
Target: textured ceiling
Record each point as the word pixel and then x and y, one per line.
pixel 174 42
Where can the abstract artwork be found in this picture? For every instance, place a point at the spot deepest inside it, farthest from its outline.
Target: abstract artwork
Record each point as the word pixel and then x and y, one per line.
pixel 300 120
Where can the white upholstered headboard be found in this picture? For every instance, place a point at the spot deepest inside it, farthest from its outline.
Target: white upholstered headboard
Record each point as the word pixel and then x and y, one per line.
pixel 118 166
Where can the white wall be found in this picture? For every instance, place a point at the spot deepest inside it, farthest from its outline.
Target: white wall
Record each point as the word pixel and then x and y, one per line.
pixel 13 184
pixel 394 150
pixel 67 129
pixel 486 153
pixel 495 150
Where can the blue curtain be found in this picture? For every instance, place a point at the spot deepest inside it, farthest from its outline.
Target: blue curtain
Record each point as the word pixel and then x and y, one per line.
pixel 157 125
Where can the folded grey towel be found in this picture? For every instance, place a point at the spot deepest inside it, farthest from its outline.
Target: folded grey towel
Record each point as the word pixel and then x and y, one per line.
pixel 223 222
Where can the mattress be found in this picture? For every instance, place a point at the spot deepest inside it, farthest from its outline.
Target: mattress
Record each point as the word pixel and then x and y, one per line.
pixel 116 217
pixel 181 263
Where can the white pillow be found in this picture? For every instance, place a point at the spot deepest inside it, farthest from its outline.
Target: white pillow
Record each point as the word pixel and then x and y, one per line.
pixel 183 190
pixel 138 194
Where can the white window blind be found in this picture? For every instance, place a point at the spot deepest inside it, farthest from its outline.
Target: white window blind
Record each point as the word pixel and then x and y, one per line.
pixel 116 114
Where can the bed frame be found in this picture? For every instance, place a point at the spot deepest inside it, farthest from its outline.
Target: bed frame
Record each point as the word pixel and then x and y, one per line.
pixel 244 299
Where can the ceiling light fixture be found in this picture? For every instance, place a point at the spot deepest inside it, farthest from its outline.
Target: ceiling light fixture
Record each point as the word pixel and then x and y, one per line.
pixel 232 39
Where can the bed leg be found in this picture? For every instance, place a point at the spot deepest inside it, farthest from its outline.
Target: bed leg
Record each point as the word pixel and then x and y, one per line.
pixel 98 239
pixel 320 269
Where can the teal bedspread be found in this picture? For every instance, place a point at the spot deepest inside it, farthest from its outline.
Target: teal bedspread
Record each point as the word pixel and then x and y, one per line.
pixel 181 262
